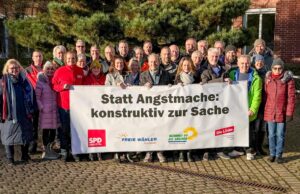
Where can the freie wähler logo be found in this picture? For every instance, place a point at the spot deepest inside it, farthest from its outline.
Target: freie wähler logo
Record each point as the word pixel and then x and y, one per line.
pixel 189 134
pixel 96 138
pixel 146 140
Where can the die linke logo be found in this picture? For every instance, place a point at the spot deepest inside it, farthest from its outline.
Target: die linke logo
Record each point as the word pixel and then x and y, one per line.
pixel 96 138
pixel 225 130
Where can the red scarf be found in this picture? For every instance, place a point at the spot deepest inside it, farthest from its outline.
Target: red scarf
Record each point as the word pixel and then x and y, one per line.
pixel 276 76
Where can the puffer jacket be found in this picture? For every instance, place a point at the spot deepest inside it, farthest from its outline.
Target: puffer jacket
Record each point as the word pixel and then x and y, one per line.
pixel 280 94
pixel 46 100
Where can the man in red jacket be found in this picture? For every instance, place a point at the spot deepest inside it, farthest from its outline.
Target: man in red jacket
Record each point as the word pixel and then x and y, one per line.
pixel 64 78
pixel 31 74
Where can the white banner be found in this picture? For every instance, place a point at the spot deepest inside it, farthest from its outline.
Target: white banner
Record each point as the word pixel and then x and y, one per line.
pixel 111 119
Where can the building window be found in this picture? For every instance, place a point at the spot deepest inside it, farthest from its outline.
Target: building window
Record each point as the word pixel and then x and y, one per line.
pixel 262 23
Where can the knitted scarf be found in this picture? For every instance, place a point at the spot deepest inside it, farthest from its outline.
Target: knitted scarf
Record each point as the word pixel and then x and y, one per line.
pixel 187 78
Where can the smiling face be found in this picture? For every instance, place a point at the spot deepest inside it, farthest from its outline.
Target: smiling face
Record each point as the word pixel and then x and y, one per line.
pixel 165 56
pixel 202 47
pixel 147 48
pixel 196 58
pixel 96 71
pixel 95 53
pixel 70 59
pixel 153 62
pixel 119 64
pixel 109 53
pixel 213 58
pixel 186 66
pixel 13 69
pixel 59 54
pixel 260 49
pixel 49 71
pixel 259 64
pixel 190 46
pixel 123 49
pixel 243 64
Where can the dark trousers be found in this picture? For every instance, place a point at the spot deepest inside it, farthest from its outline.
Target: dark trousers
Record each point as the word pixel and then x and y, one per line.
pixel 64 134
pixel 48 136
pixel 10 151
pixel 35 123
pixel 252 138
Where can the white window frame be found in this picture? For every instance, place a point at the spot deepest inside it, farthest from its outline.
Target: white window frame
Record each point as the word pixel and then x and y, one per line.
pixel 259 12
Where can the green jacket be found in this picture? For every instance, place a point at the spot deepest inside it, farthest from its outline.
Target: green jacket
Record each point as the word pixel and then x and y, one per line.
pixel 254 90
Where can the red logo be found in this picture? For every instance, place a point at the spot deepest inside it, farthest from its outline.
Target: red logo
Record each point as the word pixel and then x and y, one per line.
pixel 96 138
pixel 223 131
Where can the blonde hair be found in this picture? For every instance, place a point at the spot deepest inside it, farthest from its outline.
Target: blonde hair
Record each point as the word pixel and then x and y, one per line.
pixel 191 65
pixel 132 60
pixel 9 62
pixel 59 47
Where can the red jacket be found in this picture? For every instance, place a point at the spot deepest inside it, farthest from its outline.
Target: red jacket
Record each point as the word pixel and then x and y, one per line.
pixel 72 75
pixel 280 97
pixel 92 80
pixel 31 74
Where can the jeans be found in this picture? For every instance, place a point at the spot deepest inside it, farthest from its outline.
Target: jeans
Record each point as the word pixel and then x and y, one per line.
pixel 64 134
pixel 276 138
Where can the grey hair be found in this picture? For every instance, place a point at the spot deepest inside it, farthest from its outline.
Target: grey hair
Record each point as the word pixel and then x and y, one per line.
pixel 213 50
pixel 47 64
pixel 245 57
pixel 81 56
pixel 59 47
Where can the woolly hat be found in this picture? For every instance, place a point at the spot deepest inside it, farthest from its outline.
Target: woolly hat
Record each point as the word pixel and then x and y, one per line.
pixel 230 48
pixel 95 63
pixel 259 57
pixel 259 41
pixel 278 61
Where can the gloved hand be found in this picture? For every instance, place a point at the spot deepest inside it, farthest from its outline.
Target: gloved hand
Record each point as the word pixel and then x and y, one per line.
pixel 288 118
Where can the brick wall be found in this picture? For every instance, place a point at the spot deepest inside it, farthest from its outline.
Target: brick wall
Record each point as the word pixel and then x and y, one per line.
pixel 263 3
pixel 287 31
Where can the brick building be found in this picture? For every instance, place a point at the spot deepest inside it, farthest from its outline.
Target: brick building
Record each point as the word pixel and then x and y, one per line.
pixel 276 21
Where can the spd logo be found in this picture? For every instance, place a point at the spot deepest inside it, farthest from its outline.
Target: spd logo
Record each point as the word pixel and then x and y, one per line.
pixel 96 138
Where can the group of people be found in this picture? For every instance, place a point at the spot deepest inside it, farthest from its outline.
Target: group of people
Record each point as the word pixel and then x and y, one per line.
pixel 36 98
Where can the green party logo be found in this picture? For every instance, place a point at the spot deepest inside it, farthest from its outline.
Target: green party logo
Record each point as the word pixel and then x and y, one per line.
pixel 189 134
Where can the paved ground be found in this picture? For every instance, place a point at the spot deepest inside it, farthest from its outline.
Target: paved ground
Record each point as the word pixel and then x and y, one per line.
pixel 216 176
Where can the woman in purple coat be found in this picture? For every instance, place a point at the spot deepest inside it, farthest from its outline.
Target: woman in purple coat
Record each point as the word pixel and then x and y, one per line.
pixel 46 100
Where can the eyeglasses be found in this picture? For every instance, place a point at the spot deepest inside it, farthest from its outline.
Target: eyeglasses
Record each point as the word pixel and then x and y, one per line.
pixel 277 68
